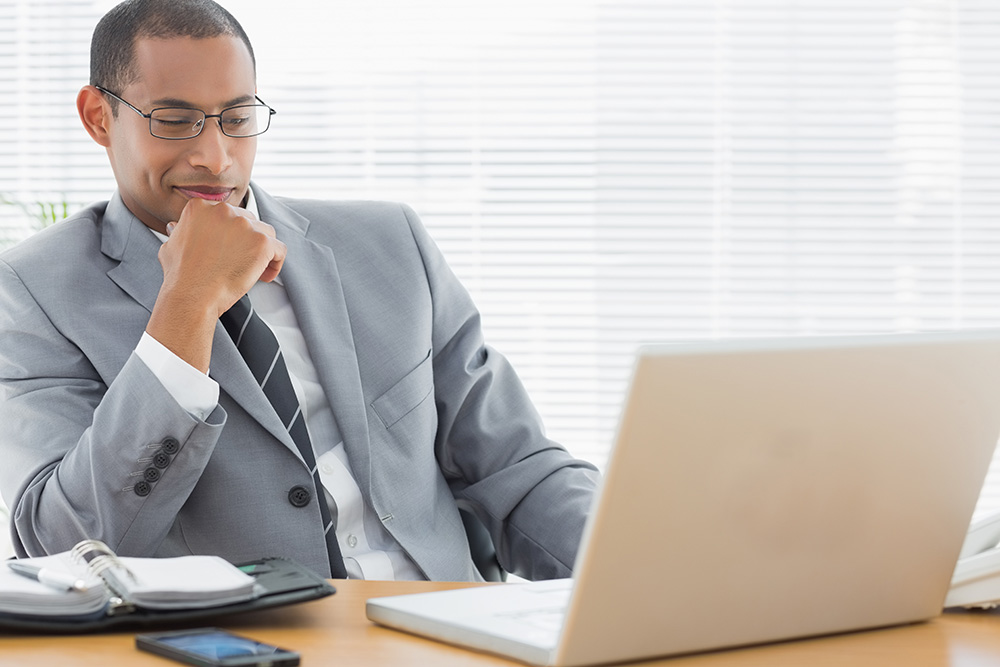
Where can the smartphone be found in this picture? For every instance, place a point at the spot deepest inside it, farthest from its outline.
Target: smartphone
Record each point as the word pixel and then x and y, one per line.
pixel 213 647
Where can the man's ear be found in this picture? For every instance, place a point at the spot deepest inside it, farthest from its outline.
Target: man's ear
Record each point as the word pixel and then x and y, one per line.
pixel 95 112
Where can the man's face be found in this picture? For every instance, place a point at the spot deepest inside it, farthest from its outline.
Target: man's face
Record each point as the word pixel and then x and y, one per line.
pixel 157 177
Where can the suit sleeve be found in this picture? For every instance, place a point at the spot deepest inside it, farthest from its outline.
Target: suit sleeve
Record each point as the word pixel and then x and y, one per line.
pixel 86 456
pixel 531 494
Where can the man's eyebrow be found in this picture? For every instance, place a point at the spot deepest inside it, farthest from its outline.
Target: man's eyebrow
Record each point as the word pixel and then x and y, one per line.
pixel 175 102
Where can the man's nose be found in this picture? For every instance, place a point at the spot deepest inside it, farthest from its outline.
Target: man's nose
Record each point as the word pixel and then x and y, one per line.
pixel 211 150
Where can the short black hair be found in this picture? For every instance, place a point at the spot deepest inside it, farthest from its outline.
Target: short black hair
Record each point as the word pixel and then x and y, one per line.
pixel 112 49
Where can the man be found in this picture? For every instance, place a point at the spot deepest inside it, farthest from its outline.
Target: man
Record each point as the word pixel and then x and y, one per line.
pixel 133 414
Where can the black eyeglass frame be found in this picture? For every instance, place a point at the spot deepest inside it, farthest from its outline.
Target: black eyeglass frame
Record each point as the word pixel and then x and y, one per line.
pixel 149 117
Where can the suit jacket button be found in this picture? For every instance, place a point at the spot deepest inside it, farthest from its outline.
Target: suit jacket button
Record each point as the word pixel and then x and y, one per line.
pixel 299 496
pixel 151 474
pixel 170 445
pixel 142 488
pixel 161 460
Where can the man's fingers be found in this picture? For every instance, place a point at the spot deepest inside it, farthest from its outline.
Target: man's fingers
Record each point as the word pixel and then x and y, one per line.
pixel 277 261
pixel 224 242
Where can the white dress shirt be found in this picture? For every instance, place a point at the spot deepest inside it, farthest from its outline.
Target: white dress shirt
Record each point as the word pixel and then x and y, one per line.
pixel 369 551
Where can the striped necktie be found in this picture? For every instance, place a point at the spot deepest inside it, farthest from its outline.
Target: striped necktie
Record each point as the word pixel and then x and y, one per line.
pixel 259 348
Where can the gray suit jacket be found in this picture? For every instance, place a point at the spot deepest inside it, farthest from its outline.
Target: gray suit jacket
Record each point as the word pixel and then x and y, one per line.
pixel 428 413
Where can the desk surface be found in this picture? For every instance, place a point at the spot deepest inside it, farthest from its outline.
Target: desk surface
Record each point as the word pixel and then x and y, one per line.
pixel 334 631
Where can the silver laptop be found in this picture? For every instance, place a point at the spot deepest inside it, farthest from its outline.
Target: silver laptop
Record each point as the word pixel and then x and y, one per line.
pixel 757 491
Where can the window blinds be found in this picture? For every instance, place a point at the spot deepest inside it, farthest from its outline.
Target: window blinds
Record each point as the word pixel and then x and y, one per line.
pixel 603 173
pixel 47 163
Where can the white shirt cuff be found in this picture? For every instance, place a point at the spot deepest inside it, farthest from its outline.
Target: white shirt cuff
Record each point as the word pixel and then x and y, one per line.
pixel 193 390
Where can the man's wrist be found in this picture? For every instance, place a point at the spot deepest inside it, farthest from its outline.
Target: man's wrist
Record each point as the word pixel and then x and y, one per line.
pixel 185 326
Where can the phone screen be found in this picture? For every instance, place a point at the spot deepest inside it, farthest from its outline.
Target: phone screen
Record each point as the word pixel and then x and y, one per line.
pixel 215 647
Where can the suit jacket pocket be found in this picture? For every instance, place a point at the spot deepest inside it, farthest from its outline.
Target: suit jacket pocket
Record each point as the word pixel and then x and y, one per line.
pixel 407 394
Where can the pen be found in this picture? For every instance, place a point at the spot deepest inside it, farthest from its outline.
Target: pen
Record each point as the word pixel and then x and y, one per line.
pixel 51 578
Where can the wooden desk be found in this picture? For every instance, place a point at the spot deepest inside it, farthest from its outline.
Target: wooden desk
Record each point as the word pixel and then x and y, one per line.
pixel 335 632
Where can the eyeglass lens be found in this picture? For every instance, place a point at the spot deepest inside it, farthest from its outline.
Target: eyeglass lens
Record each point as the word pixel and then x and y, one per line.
pixel 182 123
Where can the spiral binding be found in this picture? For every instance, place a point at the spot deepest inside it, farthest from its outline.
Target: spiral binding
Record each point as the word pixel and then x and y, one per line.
pixel 100 560
pixel 80 551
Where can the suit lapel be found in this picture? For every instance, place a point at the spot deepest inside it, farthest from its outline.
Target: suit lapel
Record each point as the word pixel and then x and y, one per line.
pixel 312 282
pixel 126 239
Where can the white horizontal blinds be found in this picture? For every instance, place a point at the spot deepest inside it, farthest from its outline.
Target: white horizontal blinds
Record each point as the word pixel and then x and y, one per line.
pixel 47 162
pixel 483 117
pixel 793 168
pixel 979 52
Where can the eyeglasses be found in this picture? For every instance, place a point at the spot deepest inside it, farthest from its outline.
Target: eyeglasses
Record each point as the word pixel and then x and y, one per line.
pixel 245 120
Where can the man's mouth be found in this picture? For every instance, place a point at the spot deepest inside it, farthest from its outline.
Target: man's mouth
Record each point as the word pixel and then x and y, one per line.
pixel 205 192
